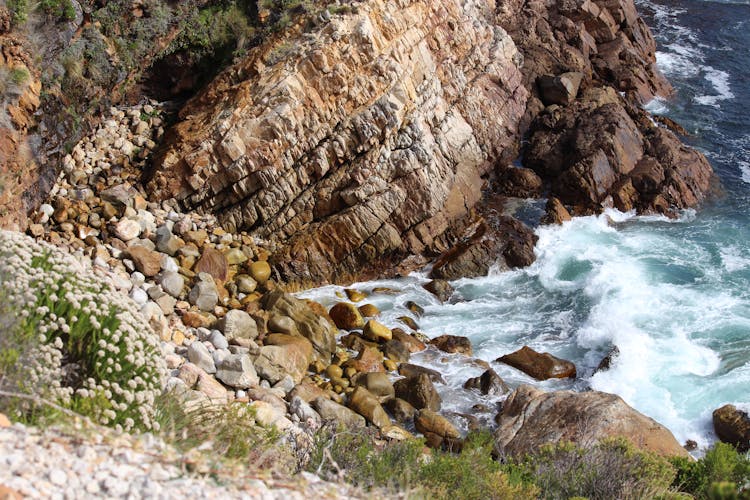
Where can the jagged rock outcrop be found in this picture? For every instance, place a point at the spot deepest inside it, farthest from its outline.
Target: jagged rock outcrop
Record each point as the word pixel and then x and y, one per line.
pixel 531 418
pixel 361 147
pixel 372 138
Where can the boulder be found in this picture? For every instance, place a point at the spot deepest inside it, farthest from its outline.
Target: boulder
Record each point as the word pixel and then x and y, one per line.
pixel 401 410
pixel 555 212
pixel 378 383
pixel 412 343
pixel 307 391
pixel 166 242
pixel 488 383
pixel 237 324
pixel 369 359
pixel 204 293
pixel 346 316
pixel 355 295
pixel 531 418
pixel 283 355
pixel 541 366
pixel 368 310
pixel 146 261
pixel 237 371
pixel 366 404
pixel 309 324
pixel 440 289
pixel 520 182
pixel 453 344
pixel 409 370
pixel 419 392
pixel 198 355
pixel 428 421
pixel 376 332
pixel 332 411
pixel 212 262
pixel 260 271
pixel 560 89
pixel 733 426
pixel 396 351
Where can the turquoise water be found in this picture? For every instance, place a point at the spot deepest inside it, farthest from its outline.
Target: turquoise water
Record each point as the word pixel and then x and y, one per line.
pixel 674 296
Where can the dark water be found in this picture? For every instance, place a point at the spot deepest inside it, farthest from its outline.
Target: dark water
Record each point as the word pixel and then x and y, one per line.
pixel 674 296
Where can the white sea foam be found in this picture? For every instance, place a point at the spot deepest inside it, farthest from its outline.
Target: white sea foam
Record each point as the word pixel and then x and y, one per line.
pixel 719 80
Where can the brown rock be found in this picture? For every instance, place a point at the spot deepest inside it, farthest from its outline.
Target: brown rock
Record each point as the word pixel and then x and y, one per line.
pixel 732 426
pixel 429 421
pixel 541 366
pixel 488 383
pixel 9 494
pixel 409 322
pixel 4 421
pixel 332 411
pixel 376 332
pixel 260 271
pixel 307 391
pixel 283 355
pixel 453 344
pixel 346 316
pixel 378 383
pixel 412 343
pixel 401 410
pixel 368 310
pixel 409 370
pixel 146 261
pixel 555 212
pixel 520 182
pixel 214 263
pixel 396 351
pixel 531 418
pixel 561 89
pixel 367 405
pixel 369 359
pixel 419 392
pixel 355 295
pixel 440 289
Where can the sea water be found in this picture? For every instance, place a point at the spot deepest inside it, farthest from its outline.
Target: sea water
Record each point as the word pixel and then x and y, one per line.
pixel 672 295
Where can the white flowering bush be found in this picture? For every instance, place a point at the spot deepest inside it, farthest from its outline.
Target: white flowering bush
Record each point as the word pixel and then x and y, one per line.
pixel 70 338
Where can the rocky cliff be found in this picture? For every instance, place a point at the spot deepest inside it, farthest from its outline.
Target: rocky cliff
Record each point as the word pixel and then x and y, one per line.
pixel 369 136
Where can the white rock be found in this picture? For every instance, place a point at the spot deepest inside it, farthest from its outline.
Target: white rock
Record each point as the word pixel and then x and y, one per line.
pixel 139 296
pixel 127 229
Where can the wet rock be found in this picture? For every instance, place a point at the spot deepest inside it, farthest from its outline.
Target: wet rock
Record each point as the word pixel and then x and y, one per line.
pixel 440 289
pixel 555 212
pixel 368 310
pixel 419 392
pixel 409 322
pixel 531 418
pixel 237 371
pixel 366 404
pixel 396 351
pixel 409 370
pixel 355 295
pixel 453 344
pixel 369 359
pixel 414 308
pixel 488 383
pixel 520 182
pixel 732 426
pixel 332 411
pixel 541 366
pixel 346 316
pixel 607 360
pixel 412 343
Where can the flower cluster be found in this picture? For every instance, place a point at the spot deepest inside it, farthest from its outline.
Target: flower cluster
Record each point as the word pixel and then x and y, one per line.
pixel 78 341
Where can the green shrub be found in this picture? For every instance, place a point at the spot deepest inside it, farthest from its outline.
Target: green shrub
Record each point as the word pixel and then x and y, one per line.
pixel 609 469
pixel 721 473
pixel 403 466
pixel 73 340
pixel 19 11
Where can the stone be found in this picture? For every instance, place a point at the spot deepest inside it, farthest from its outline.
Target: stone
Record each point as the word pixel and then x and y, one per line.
pixel 531 418
pixel 395 433
pixel 376 332
pixel 332 411
pixel 366 404
pixel 732 426
pixel 412 343
pixel 146 261
pixel 607 360
pixel 172 283
pixel 541 366
pixel 440 289
pixel 260 271
pixel 307 391
pixel 355 295
pixel 237 371
pixel 555 212
pixel 334 371
pixel 368 310
pixel 401 410
pixel 282 324
pixel 409 370
pixel 237 324
pixel 453 344
pixel 409 322
pixel 218 340
pixel 346 316
pixel 212 262
pixel 419 392
pixel 378 383
pixel 235 256
pixel 267 415
pixel 428 421
pixel 120 195
pixel 309 324
pixel 245 283
pixel 369 359
pixel 520 182
pixel 488 383
pixel 396 351
pixel 4 421
pixel 414 308
pixel 561 89
pixel 283 355
pixel 305 412
pixel 204 293
pixel 127 229
pixel 198 355
pixel 166 242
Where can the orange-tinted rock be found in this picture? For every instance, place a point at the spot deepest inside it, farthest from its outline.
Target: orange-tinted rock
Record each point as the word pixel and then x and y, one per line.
pixel 146 261
pixel 453 344
pixel 213 262
pixel 346 316
pixel 541 366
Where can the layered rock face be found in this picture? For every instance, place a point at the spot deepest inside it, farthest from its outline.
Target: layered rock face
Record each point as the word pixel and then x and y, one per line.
pixel 371 139
pixel 362 147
